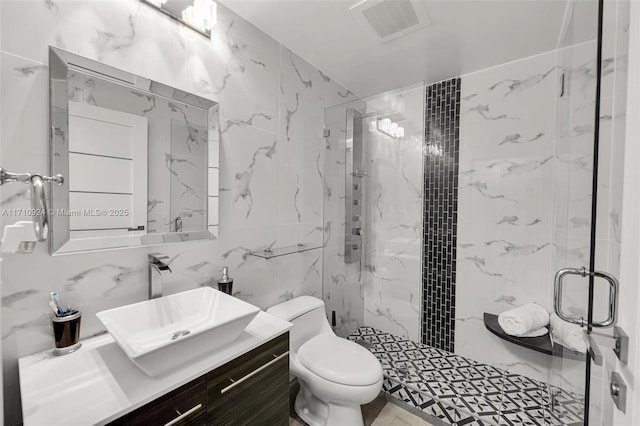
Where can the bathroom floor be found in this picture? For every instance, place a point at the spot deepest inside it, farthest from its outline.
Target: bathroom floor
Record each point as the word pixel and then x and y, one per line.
pixel 452 389
pixel 379 412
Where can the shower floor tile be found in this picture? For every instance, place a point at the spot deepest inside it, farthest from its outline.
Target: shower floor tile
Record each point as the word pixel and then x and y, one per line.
pixel 460 391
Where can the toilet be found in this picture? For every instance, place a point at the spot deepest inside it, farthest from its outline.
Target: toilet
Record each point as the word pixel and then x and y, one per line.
pixel 336 375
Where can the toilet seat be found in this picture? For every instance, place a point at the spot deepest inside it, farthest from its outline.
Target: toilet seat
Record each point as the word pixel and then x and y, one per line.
pixel 340 361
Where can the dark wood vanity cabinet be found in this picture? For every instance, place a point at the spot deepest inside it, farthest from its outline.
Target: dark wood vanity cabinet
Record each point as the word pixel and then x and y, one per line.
pixel 186 405
pixel 251 389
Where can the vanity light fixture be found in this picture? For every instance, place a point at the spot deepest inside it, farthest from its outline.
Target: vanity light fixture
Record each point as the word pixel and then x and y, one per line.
pixel 202 14
pixel 199 15
pixel 389 128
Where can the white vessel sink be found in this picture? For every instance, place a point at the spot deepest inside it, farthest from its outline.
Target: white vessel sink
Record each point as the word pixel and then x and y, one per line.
pixel 160 335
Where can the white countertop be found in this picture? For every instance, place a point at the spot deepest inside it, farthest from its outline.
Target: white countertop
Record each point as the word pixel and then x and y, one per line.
pixel 98 383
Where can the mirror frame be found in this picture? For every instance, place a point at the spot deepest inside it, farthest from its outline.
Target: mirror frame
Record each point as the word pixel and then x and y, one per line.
pixel 60 62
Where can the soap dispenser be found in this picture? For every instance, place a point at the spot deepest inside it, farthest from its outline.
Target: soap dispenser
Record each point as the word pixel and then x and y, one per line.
pixel 225 284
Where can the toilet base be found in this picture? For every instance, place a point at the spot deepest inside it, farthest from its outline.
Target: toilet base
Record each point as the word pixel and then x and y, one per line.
pixel 316 412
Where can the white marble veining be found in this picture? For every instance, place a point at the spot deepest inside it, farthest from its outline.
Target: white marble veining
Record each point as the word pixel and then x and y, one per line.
pixel 525 198
pixel 393 217
pixel 176 155
pixel 505 206
pixel 383 289
pixel 524 210
pixel 271 178
pixel 98 383
pixel 343 290
pixel 610 181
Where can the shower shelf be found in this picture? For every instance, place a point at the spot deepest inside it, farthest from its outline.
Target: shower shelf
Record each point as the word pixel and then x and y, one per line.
pixel 283 251
pixel 539 344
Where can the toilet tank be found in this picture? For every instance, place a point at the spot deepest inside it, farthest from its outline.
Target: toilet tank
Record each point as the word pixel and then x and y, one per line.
pixel 308 317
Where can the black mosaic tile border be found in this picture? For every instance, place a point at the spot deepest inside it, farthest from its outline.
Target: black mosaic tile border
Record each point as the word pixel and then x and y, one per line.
pixel 442 142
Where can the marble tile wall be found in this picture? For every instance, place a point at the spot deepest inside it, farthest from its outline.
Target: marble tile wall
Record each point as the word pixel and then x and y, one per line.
pixel 572 188
pixel 508 215
pixel 343 283
pixel 574 152
pixel 505 205
pixel 610 176
pixel 383 288
pixel 525 195
pixel 524 205
pixel 613 102
pixel 189 175
pixel 393 216
pixel 271 156
pixel 177 169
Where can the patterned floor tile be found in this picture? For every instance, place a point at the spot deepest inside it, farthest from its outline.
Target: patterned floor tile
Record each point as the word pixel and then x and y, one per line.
pixel 460 391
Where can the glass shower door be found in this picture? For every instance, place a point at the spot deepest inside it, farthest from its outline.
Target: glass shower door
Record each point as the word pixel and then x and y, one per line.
pixel 583 298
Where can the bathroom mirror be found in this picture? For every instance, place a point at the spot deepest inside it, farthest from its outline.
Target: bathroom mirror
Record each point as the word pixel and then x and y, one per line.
pixel 140 159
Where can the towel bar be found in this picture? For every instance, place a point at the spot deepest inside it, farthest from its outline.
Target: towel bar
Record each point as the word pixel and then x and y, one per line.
pixel 39 207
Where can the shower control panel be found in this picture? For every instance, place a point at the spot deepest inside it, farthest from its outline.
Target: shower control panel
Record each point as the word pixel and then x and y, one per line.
pixel 354 185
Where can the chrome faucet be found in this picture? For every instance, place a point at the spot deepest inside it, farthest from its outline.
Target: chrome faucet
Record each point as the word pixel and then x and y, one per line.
pixel 157 264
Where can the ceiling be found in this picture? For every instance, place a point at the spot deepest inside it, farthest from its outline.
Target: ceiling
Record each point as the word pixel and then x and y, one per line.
pixel 464 36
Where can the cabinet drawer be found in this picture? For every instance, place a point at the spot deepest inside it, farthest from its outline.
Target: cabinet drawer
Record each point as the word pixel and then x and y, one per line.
pixel 253 388
pixel 186 405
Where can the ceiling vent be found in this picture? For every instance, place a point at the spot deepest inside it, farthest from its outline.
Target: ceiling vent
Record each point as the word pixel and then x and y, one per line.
pixel 390 19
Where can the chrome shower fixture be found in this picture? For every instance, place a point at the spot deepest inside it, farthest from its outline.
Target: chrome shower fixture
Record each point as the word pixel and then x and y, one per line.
pixel 39 209
pixel 354 189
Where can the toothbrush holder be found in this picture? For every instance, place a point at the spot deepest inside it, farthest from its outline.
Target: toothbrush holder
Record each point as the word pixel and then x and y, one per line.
pixel 66 333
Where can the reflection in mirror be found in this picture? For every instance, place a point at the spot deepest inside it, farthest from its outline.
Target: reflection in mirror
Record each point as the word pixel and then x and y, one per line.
pixel 141 159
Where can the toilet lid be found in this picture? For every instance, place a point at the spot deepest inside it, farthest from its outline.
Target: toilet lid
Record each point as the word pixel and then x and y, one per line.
pixel 340 361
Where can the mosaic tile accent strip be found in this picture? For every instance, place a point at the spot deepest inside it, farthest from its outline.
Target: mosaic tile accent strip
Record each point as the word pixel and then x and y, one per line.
pixel 442 139
pixel 459 391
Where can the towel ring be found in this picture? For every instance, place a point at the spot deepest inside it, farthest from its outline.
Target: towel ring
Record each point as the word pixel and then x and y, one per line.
pixel 40 211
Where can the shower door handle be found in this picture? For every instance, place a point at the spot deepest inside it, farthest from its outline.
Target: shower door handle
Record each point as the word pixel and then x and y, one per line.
pixel 583 272
pixel 558 284
pixel 613 300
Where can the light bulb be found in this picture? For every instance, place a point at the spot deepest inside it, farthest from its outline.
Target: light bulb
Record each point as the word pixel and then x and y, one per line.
pixel 207 12
pixel 202 14
pixel 188 15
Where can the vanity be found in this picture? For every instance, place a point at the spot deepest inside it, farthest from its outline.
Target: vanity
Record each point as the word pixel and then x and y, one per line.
pixel 244 382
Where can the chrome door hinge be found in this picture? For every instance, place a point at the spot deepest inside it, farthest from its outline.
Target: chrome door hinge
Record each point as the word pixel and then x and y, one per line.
pixel 621 348
pixel 618 391
pixel 620 344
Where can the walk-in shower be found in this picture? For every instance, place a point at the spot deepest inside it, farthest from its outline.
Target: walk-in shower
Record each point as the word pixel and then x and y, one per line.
pixel 487 191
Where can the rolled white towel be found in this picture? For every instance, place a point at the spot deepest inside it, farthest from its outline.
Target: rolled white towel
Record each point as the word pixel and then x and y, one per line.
pixel 523 319
pixel 536 333
pixel 567 334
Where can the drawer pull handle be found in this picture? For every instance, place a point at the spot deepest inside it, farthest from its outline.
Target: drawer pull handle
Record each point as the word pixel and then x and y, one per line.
pixel 253 373
pixel 183 416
